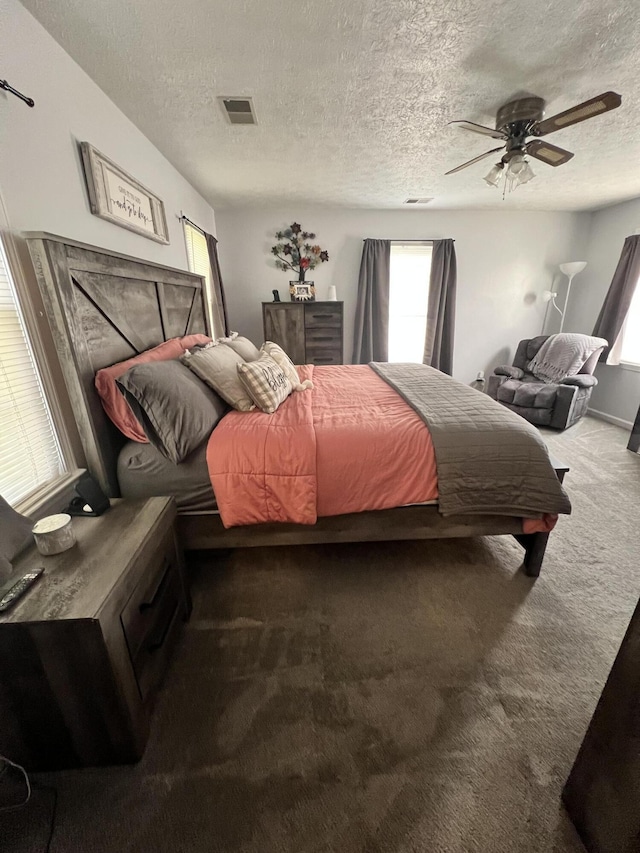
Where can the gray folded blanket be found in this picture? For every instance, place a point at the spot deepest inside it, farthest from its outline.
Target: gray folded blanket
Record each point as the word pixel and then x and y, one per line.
pixel 563 355
pixel 490 460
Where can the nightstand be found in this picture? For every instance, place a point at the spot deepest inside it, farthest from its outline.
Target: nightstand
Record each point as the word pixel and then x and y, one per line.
pixel 82 655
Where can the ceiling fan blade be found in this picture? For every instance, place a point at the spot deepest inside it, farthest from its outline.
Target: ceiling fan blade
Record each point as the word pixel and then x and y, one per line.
pixel 475 160
pixel 480 128
pixel 587 109
pixel 548 153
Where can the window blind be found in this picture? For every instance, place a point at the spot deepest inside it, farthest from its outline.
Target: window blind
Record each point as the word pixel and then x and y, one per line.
pixel 197 253
pixel 199 263
pixel 29 452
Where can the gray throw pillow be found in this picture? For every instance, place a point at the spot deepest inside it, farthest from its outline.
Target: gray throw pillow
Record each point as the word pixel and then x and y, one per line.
pixel 176 409
pixel 247 350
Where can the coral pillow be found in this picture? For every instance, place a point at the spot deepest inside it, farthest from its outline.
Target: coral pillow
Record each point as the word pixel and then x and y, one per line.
pixel 115 404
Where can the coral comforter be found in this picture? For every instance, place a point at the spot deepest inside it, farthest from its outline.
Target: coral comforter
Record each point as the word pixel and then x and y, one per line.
pixel 351 444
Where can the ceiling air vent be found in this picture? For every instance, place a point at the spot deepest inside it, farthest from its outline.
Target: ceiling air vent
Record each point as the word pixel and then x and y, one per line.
pixel 239 110
pixel 418 200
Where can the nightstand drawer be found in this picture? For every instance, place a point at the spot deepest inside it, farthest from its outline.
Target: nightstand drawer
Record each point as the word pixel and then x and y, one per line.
pixel 323 315
pixel 150 614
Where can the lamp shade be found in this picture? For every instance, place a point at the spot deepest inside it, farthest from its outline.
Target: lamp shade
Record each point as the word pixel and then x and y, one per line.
pixel 494 175
pixel 573 267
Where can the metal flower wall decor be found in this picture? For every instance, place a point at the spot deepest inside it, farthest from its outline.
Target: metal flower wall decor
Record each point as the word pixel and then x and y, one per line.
pixel 294 251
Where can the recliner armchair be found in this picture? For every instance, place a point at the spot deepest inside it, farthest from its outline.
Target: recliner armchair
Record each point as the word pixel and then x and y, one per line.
pixel 544 404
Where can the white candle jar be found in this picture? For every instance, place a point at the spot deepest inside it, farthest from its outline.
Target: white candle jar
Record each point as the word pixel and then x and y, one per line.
pixel 54 534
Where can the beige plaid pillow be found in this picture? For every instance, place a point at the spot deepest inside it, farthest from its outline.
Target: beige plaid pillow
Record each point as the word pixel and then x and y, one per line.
pixel 282 360
pixel 265 382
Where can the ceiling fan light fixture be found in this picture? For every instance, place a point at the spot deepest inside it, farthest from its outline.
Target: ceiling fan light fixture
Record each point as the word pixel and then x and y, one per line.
pixel 527 174
pixel 494 175
pixel 516 164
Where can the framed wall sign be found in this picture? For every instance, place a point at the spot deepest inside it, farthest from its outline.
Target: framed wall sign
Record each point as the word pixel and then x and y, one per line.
pixel 116 196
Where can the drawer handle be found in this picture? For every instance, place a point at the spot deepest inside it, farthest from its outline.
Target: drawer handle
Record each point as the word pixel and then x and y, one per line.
pixel 155 595
pixel 325 316
pixel 158 643
pixel 323 338
pixel 327 360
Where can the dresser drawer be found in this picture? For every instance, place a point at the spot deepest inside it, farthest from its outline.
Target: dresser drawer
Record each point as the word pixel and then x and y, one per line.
pixel 323 315
pixel 321 355
pixel 150 615
pixel 322 337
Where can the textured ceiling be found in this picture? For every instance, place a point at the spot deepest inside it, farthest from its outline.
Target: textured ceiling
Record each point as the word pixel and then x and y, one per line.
pixel 353 96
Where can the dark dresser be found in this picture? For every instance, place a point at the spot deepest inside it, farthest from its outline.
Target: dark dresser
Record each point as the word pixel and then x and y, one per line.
pixel 309 332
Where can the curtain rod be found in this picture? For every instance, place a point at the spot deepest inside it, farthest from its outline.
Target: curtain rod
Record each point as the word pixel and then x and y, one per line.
pixel 396 240
pixel 7 88
pixel 184 218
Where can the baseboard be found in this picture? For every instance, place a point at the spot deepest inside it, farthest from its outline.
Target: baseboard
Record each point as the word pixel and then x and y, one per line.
pixel 603 416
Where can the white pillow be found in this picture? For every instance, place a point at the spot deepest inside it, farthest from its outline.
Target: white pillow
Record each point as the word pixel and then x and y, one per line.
pixel 280 357
pixel 217 366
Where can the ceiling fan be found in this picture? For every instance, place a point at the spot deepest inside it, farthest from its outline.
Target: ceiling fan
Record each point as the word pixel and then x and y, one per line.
pixel 522 118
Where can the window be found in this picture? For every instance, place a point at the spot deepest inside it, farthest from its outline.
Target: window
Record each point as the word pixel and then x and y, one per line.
pixel 408 300
pixel 30 455
pixel 630 349
pixel 197 253
pixel 198 259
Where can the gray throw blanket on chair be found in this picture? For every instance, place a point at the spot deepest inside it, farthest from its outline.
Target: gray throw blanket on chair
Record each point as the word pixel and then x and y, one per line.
pixel 563 355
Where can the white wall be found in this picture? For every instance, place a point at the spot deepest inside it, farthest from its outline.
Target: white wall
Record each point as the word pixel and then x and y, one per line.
pixel 41 176
pixel 618 391
pixel 505 261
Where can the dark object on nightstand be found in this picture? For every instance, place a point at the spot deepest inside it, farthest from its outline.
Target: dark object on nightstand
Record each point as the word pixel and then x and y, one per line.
pixel 276 296
pixel 557 405
pixel 309 332
pixel 90 499
pixel 83 654
pixel 12 591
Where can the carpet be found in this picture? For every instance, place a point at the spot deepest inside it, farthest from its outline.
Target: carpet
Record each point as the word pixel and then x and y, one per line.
pixel 376 698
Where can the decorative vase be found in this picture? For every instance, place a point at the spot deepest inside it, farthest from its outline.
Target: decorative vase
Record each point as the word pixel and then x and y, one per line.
pixel 332 296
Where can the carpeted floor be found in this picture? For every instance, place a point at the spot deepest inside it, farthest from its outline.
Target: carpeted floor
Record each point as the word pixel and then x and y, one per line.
pixel 386 698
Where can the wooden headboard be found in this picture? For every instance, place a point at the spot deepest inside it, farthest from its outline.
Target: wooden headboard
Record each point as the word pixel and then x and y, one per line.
pixel 103 308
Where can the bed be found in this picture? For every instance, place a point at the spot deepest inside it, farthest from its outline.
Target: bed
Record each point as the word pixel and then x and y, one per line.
pixel 104 307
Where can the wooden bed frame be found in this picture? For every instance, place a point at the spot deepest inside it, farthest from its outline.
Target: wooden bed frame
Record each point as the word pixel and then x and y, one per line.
pixel 104 307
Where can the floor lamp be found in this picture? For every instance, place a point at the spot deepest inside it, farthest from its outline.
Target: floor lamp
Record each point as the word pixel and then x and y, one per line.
pixel 570 269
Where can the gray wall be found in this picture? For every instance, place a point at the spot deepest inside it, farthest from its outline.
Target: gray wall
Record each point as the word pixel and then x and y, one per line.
pixel 618 391
pixel 505 261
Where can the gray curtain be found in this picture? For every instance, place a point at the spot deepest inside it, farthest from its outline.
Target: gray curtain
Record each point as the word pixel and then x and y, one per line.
pixel 618 299
pixel 371 331
pixel 219 302
pixel 441 312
